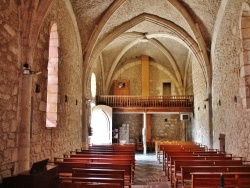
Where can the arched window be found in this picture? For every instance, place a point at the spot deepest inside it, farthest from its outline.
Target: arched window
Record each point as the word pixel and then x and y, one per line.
pixel 52 85
pixel 93 85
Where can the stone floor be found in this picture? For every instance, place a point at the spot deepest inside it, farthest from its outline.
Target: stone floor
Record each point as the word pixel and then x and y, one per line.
pixel 148 172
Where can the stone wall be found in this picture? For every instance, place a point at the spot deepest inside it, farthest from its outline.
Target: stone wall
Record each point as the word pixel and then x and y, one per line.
pixel 9 86
pixel 157 77
pixel 160 129
pixel 67 136
pixel 200 124
pixel 163 127
pixel 132 72
pixel 134 121
pixel 229 115
pixel 166 127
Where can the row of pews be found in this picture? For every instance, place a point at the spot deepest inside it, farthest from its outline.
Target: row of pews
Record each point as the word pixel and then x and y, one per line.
pixel 104 166
pixel 191 165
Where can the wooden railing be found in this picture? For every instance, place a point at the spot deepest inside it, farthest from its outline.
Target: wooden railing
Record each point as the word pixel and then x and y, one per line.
pixel 116 101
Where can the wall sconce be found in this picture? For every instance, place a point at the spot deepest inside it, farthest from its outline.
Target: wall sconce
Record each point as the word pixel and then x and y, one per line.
pixel 27 70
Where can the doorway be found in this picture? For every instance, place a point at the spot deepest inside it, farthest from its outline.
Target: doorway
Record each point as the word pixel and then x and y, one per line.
pixel 101 124
pixel 166 88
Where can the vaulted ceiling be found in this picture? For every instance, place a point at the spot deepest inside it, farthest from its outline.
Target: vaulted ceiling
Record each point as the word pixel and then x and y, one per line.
pixel 168 31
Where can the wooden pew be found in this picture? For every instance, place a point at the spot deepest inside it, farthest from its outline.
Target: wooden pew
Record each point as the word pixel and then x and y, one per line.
pixel 168 165
pixel 85 172
pixel 212 179
pixel 103 152
pixel 105 177
pixel 194 152
pixel 91 182
pixel 96 160
pixel 159 145
pixel 180 148
pixel 121 160
pixel 117 147
pixel 179 164
pixel 166 154
pixel 106 150
pixel 65 168
pixel 93 155
pixel 187 170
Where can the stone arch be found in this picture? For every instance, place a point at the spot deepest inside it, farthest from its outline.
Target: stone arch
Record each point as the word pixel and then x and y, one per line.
pixel 199 50
pixel 158 46
pixel 42 11
pixel 175 29
pixel 244 89
pixel 185 78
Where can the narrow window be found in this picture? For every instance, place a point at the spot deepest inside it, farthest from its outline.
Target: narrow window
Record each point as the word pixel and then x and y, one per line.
pixel 93 85
pixel 52 85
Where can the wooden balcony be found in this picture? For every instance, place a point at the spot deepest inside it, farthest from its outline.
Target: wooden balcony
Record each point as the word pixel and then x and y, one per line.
pixel 130 103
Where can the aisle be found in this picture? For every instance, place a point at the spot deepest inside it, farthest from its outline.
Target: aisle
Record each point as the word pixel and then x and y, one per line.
pixel 148 172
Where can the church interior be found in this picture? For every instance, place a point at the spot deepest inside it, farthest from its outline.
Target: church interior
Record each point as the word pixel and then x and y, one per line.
pixel 80 73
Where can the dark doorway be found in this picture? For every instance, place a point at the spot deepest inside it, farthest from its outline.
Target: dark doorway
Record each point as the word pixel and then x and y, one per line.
pixel 166 88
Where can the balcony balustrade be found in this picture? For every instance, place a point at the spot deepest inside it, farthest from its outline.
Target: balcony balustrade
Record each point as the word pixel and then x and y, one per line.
pixel 130 101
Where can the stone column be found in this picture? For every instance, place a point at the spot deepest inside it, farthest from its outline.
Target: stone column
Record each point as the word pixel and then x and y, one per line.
pixel 24 128
pixel 85 125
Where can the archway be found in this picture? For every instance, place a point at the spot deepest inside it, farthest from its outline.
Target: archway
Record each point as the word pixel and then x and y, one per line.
pixel 101 124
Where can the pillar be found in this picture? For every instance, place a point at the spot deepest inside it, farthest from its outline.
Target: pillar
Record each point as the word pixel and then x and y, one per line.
pixel 144 133
pixel 24 128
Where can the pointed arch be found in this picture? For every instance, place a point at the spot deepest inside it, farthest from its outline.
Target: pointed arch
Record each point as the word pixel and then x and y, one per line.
pixel 199 49
pixel 175 30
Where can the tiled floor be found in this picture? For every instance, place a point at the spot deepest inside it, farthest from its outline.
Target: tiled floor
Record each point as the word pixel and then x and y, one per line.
pixel 149 173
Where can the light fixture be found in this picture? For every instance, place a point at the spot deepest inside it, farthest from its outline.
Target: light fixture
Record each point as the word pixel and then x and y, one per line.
pixel 88 100
pixel 27 70
pixel 121 85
